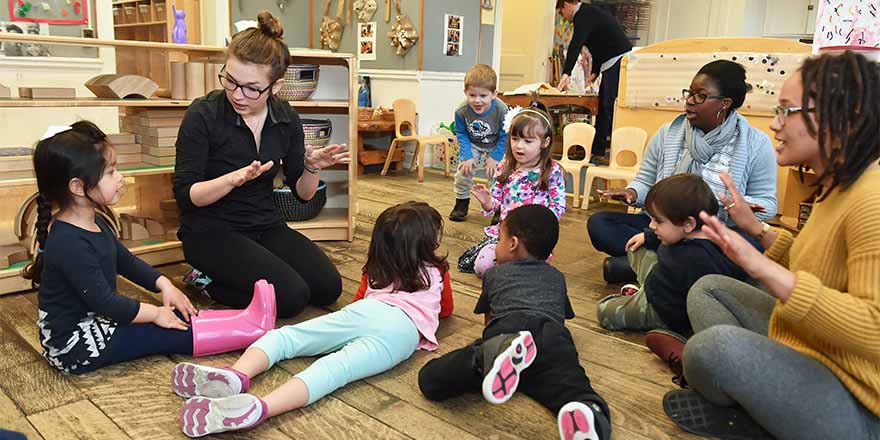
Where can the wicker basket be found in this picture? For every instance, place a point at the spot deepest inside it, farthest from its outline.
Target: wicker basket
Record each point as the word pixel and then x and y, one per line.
pixel 289 205
pixel 317 131
pixel 300 81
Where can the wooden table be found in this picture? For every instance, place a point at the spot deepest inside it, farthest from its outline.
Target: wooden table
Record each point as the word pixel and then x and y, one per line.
pixel 589 102
pixel 375 157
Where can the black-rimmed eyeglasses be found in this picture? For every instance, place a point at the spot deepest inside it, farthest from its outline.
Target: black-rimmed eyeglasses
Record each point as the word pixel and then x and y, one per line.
pixel 248 91
pixel 699 98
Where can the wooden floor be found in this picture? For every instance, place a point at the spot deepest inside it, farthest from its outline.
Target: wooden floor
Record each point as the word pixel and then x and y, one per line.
pixel 135 400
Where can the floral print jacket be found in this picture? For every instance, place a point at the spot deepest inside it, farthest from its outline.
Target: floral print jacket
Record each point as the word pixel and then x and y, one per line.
pixel 521 188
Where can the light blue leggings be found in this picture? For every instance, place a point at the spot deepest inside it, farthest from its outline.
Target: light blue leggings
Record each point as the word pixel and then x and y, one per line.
pixel 363 339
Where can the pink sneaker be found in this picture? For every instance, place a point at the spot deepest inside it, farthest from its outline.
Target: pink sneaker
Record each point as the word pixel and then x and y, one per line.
pixel 629 290
pixel 514 354
pixel 575 421
pixel 189 380
pixel 201 416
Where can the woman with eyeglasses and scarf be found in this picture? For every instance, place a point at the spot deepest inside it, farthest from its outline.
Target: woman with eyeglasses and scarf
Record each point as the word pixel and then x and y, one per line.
pixel 711 137
pixel 231 145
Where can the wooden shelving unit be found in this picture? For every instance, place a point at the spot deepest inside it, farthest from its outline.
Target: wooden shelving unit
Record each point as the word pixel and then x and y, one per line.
pixel 146 185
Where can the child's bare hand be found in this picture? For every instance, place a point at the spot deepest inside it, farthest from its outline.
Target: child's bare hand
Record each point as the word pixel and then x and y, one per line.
pixel 482 194
pixel 627 195
pixel 466 168
pixel 166 318
pixel 635 242
pixel 176 299
pixel 491 164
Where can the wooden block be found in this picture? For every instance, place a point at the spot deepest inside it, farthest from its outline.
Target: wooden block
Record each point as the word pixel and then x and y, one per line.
pixel 125 229
pixel 154 122
pixel 119 86
pixel 138 232
pixel 160 151
pixel 47 92
pixel 128 158
pixel 152 141
pixel 154 228
pixel 121 138
pixel 12 254
pixel 127 148
pixel 178 80
pixel 195 80
pixel 16 163
pixel 167 132
pixel 5 92
pixel 146 112
pixel 161 161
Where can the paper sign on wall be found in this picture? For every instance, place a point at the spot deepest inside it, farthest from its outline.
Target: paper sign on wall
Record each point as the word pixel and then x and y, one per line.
pixel 367 41
pixel 452 39
pixel 847 23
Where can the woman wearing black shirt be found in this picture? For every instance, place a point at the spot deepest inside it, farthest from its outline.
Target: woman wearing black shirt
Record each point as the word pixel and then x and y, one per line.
pixel 229 149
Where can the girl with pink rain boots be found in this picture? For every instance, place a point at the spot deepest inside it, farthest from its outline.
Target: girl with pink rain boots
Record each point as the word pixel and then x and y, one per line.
pixel 84 323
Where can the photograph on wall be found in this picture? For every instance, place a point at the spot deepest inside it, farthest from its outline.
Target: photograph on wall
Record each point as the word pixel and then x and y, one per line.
pixel 453 28
pixel 17 49
pixel 50 11
pixel 366 34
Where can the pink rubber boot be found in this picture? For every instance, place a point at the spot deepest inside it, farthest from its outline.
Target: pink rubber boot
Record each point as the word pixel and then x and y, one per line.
pixel 219 331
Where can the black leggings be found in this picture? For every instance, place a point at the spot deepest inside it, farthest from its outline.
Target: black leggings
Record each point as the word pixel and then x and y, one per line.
pixel 135 341
pixel 300 271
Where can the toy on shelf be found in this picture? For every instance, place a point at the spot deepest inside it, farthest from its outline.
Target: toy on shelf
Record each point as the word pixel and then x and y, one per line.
pixel 5 92
pixel 178 35
pixel 47 92
pixel 117 86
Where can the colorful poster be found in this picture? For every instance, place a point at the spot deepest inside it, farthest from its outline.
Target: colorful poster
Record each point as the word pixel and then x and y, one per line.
pixel 452 38
pixel 847 23
pixel 367 41
pixel 50 11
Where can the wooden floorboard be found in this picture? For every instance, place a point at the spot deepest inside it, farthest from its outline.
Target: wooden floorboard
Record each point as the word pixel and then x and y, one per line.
pixel 134 400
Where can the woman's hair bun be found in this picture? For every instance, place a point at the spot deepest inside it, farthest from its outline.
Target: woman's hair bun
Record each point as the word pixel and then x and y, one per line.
pixel 270 25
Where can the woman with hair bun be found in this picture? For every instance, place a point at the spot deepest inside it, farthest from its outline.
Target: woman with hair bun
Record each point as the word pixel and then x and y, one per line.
pixel 231 145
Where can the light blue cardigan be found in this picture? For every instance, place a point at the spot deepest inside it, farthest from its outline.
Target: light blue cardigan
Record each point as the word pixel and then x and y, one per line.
pixel 752 166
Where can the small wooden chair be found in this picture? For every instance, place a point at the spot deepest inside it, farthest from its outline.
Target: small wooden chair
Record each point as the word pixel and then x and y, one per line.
pixel 405 117
pixel 573 135
pixel 627 148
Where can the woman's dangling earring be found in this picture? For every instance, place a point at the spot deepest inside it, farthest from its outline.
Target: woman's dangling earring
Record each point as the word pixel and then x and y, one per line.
pixel 719 114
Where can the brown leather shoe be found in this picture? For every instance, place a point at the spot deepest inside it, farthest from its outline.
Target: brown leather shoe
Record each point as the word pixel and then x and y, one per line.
pixel 668 346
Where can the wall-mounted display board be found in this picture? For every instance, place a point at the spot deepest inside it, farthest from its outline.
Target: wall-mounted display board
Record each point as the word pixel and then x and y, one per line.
pixel 657 79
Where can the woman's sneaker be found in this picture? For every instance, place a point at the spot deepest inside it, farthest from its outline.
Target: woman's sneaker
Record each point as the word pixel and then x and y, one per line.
pixel 577 421
pixel 509 355
pixel 189 380
pixel 197 280
pixel 201 416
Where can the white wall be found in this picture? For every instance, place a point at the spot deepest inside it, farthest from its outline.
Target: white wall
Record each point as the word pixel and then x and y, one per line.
pixel 24 126
pixel 672 19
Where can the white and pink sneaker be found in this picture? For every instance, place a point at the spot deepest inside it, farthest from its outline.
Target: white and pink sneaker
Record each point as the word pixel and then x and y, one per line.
pixel 190 380
pixel 501 380
pixel 201 416
pixel 576 422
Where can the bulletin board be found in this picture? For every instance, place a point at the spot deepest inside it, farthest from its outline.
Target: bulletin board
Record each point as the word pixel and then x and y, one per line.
pixel 49 11
pixel 657 79
pixel 847 23
pixel 9 24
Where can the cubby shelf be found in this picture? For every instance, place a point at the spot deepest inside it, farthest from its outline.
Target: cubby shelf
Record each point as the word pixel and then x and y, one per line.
pixel 153 183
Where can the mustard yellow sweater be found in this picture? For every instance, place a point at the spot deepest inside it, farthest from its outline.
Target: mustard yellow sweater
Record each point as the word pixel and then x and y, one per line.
pixel 833 314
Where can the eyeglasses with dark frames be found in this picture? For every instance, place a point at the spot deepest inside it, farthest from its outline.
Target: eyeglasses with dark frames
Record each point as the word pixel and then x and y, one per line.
pixel 699 98
pixel 248 91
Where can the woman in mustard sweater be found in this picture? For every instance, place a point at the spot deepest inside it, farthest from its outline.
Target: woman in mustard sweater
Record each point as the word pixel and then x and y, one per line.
pixel 800 360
